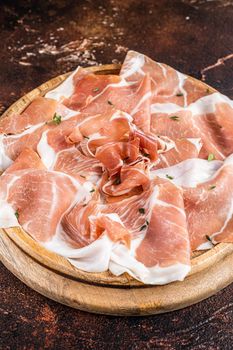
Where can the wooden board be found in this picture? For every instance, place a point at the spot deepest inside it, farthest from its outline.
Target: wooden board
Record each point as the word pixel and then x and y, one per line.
pixel 104 292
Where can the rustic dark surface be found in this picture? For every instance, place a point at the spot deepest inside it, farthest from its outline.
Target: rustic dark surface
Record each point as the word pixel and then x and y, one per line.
pixel 41 39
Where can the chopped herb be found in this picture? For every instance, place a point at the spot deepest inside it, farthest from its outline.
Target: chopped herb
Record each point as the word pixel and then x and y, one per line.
pixel 143 227
pixel 83 176
pixel 207 90
pixel 95 89
pixel 56 119
pixel 17 214
pixel 84 205
pixel 208 238
pixel 179 94
pixel 93 190
pixel 211 157
pixel 117 181
pixel 212 187
pixel 169 177
pixel 110 103
pixel 174 117
pixel 141 210
pixel 147 222
pixel 146 155
pixel 86 137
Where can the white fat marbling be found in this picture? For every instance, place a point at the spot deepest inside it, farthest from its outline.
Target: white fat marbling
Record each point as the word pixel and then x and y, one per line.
pixel 196 142
pixel 143 99
pixel 5 161
pixel 46 152
pixel 64 90
pixel 7 215
pixel 164 70
pixel 120 114
pixel 166 108
pixel 133 65
pixel 205 246
pixel 203 105
pixel 190 172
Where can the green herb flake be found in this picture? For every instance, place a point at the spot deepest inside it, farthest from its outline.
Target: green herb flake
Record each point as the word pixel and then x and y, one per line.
pixel 95 89
pixel 17 214
pixel 56 119
pixel 93 190
pixel 117 181
pixel 146 155
pixel 179 94
pixel 110 103
pixel 86 137
pixel 208 91
pixel 210 157
pixel 143 227
pixel 174 117
pixel 83 176
pixel 125 159
pixel 169 177
pixel 141 210
pixel 208 238
pixel 212 187
pixel 147 222
pixel 84 205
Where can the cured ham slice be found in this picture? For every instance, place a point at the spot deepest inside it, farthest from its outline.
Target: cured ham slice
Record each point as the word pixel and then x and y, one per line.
pixel 130 98
pixel 100 94
pixel 209 118
pixel 162 252
pixel 81 87
pixel 40 110
pixel 114 155
pixel 87 86
pixel 167 240
pixel 178 151
pixel 168 85
pixel 209 208
pixel 11 146
pixel 74 163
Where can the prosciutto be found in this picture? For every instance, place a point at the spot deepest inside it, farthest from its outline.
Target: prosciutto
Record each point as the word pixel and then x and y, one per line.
pixel 128 173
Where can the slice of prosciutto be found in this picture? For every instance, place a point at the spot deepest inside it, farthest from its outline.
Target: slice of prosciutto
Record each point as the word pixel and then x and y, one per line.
pixel 160 253
pixel 209 209
pixel 210 119
pixel 38 197
pixel 168 85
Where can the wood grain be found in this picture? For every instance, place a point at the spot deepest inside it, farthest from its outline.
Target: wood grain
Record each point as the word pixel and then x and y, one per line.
pixel 62 272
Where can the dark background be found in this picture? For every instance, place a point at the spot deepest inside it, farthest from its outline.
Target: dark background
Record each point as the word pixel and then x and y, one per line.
pixel 41 39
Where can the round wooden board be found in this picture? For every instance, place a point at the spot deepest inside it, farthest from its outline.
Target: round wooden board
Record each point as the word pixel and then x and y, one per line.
pixel 104 292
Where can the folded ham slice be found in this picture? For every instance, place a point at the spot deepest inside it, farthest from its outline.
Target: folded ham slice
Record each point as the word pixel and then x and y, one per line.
pixel 209 209
pixel 167 84
pixel 40 110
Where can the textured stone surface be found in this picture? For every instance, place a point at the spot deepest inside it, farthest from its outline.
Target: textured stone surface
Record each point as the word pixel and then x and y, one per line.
pixel 39 40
